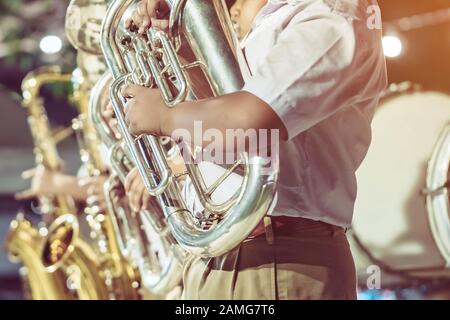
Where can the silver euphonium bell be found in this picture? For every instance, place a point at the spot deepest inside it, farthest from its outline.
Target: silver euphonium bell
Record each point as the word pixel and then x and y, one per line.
pixel 152 61
pixel 143 238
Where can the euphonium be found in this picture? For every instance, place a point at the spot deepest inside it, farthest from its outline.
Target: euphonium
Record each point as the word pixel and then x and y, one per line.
pixel 151 61
pixel 24 242
pixel 143 238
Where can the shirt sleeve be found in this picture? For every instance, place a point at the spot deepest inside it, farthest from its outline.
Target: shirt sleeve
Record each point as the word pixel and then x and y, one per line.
pixel 312 71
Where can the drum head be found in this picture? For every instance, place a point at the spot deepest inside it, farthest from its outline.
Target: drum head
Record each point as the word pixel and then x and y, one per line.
pixel 391 219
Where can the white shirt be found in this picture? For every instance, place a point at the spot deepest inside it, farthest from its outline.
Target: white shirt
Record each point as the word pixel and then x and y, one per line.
pixel 321 69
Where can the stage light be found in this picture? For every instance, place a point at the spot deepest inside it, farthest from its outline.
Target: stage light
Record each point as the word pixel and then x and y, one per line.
pixel 50 44
pixel 392 46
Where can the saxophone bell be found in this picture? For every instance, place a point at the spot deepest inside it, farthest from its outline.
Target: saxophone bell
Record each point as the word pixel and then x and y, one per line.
pixel 24 243
pixel 65 250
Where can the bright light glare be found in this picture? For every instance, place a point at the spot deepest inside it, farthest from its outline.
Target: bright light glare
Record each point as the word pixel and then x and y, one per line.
pixel 392 46
pixel 50 44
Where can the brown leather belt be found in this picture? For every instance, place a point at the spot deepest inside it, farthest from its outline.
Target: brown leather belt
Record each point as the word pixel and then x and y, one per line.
pixel 270 223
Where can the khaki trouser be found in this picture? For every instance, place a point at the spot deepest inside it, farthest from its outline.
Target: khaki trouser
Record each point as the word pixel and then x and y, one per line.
pixel 308 260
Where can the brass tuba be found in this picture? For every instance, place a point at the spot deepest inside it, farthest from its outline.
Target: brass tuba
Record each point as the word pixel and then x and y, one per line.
pixel 142 238
pixel 152 61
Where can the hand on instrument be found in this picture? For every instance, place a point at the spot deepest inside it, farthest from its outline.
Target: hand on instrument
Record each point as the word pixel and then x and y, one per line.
pixel 145 110
pixel 138 196
pixel 149 13
pixel 47 182
pixel 110 118
pixel 95 191
pixel 42 183
pixel 118 194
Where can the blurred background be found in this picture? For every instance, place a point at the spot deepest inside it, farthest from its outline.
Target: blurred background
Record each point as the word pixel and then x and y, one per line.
pixel 417 46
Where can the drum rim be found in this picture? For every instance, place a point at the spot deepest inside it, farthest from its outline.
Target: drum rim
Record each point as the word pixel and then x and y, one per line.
pixel 438 218
pixel 395 90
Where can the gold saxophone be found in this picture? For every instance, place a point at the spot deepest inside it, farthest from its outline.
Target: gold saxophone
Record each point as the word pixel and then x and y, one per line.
pixel 45 142
pixel 98 270
pixel 108 275
pixel 41 252
pixel 65 251
pixel 24 242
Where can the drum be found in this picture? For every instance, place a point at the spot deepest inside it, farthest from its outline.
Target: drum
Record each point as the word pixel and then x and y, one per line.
pixel 401 222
